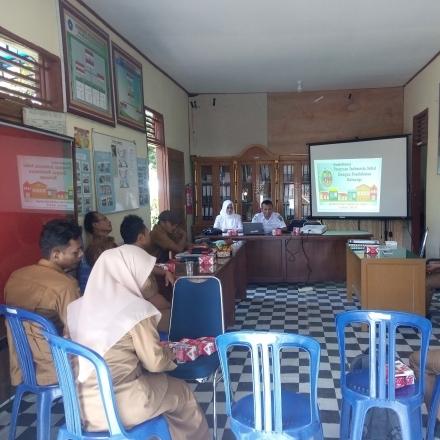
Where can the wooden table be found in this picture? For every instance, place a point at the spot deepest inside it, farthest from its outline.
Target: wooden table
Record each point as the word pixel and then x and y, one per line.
pixel 298 258
pixel 389 281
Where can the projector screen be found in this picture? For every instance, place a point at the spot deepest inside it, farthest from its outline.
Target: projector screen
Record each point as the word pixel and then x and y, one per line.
pixel 359 179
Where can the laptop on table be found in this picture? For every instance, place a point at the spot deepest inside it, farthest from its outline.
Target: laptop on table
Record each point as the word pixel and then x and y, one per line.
pixel 253 228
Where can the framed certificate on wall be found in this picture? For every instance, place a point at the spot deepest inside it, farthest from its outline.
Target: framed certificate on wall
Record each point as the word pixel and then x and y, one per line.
pixel 87 66
pixel 129 89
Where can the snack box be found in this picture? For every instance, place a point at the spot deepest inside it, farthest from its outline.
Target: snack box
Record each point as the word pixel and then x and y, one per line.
pixel 404 376
pixel 371 249
pixel 205 345
pixel 183 352
pixel 207 260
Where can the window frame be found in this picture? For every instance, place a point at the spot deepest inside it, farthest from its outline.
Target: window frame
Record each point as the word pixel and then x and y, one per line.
pixel 50 83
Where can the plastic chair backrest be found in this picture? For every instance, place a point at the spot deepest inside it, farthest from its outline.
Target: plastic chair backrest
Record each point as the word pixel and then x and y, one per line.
pixel 16 317
pixel 197 308
pixel 62 351
pixel 265 348
pixel 383 326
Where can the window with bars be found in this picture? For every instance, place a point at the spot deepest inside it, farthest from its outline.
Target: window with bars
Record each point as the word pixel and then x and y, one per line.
pixel 29 76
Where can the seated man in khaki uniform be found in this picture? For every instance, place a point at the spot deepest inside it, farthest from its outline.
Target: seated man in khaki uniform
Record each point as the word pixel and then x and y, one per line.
pixel 45 288
pixel 134 232
pixel 166 236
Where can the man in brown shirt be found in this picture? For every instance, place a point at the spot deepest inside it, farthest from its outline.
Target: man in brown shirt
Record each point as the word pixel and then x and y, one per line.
pixel 134 232
pixel 45 288
pixel 166 236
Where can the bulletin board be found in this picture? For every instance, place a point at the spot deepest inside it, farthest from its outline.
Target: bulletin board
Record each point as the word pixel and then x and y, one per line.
pixel 36 185
pixel 116 173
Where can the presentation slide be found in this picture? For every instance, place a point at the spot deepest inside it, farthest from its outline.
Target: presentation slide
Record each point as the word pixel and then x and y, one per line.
pixel 348 185
pixel 359 178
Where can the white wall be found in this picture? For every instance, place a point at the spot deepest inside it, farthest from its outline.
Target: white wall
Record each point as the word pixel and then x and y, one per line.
pixel 226 128
pixel 423 92
pixel 38 21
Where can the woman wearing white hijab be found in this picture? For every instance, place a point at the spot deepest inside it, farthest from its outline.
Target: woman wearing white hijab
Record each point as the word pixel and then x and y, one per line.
pixel 227 219
pixel 113 319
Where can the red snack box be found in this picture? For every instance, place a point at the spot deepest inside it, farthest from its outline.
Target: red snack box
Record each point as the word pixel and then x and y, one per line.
pixel 371 250
pixel 209 269
pixel 206 345
pixel 403 375
pixel 183 352
pixel 207 262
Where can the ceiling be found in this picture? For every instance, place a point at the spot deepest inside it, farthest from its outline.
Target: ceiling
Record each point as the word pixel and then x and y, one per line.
pixel 239 46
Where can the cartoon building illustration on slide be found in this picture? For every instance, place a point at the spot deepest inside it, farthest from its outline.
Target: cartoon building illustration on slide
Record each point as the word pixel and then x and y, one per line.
pixel 39 190
pixel 362 193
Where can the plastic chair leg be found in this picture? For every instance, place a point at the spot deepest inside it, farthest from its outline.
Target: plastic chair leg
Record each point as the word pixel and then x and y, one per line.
pixel 430 429
pixel 410 423
pixel 43 415
pixel 344 433
pixel 15 409
pixel 357 420
pixel 217 378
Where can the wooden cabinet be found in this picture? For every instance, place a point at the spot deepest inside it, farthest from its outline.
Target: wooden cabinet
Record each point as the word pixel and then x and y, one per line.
pixel 294 185
pixel 392 281
pixel 248 179
pixel 257 180
pixel 214 182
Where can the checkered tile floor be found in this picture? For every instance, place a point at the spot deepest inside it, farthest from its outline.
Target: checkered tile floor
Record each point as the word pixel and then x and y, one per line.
pixel 278 307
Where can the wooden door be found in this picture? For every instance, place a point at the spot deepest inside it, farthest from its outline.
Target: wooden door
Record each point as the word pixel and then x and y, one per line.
pixel 176 182
pixel 418 178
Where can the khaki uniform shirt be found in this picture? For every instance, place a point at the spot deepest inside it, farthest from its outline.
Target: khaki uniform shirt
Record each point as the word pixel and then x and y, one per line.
pixel 45 289
pixel 162 242
pixel 142 391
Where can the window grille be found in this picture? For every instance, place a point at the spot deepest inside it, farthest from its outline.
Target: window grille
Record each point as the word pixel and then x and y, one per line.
pixel 155 127
pixel 29 76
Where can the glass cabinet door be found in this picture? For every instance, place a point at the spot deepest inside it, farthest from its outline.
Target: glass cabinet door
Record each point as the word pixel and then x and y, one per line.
pixel 225 184
pixel 288 191
pixel 246 192
pixel 305 190
pixel 264 190
pixel 206 187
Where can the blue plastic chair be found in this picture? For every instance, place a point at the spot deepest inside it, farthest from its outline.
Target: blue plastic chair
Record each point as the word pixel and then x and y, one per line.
pixel 271 411
pixel 368 388
pixel 46 394
pixel 62 351
pixel 433 410
pixel 196 311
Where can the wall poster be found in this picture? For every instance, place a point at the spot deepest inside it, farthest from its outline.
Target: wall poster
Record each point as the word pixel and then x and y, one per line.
pixel 129 89
pixel 116 173
pixel 84 194
pixel 87 66
pixel 45 183
pixel 143 181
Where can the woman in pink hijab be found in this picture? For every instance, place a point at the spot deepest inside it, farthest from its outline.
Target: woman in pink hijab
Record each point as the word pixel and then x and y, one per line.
pixel 113 319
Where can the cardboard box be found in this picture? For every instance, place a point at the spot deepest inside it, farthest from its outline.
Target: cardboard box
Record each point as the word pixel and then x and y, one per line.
pixel 183 352
pixel 207 262
pixel 206 345
pixel 403 375
pixel 372 249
